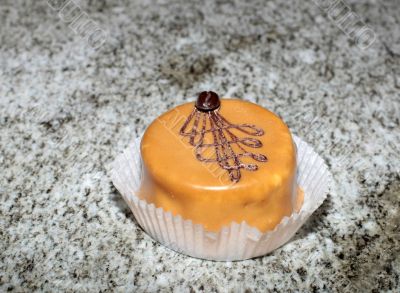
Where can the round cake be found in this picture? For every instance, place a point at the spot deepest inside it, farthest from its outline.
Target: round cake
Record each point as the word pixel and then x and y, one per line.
pixel 217 161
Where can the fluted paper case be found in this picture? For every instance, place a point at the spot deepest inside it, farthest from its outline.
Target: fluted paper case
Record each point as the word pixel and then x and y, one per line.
pixel 238 241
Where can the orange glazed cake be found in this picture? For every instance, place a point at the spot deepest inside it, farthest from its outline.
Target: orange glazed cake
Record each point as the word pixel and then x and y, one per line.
pixel 217 161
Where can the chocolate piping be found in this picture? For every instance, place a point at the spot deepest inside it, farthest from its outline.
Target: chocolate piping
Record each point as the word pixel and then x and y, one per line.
pixel 223 137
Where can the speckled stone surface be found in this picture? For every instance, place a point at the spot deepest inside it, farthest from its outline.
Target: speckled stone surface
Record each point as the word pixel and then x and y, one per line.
pixel 67 110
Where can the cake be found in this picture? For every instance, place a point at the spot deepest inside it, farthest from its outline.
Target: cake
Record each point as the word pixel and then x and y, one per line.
pixel 217 161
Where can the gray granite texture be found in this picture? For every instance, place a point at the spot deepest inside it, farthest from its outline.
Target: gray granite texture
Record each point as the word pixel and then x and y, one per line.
pixel 67 110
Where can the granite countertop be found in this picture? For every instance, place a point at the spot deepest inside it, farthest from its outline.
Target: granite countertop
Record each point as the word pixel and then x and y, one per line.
pixel 66 111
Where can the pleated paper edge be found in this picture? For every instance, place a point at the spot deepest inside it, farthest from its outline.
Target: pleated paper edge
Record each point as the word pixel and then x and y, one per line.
pixel 236 241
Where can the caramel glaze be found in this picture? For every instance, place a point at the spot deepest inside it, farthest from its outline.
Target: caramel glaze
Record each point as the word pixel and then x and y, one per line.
pixel 176 181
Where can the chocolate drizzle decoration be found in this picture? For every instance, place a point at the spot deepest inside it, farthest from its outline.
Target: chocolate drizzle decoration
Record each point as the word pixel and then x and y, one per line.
pixel 228 148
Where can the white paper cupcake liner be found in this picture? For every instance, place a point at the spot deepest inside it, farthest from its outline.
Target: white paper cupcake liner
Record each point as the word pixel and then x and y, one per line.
pixel 235 242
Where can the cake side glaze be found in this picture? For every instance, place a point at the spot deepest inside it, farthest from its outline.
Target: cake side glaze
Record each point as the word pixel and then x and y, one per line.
pixel 176 181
